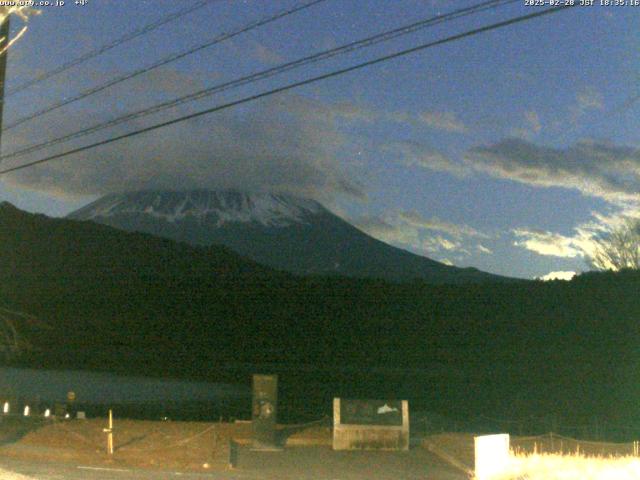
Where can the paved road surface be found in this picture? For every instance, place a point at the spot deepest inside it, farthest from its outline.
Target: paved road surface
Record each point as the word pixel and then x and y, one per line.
pixel 290 464
pixel 60 471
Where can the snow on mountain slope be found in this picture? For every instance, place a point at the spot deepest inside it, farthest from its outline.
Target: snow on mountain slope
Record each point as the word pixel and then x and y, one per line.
pixel 281 231
pixel 269 210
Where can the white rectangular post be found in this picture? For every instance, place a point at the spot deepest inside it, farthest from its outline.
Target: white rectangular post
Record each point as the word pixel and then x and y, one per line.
pixel 491 455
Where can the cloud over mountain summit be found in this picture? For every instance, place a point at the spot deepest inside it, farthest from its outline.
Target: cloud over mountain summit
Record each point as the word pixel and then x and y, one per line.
pixel 283 144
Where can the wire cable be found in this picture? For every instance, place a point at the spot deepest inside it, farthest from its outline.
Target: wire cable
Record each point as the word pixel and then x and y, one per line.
pixel 335 73
pixel 164 61
pixel 347 48
pixel 105 48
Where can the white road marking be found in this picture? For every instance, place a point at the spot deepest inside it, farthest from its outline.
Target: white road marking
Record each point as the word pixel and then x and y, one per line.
pixel 125 470
pixel 104 469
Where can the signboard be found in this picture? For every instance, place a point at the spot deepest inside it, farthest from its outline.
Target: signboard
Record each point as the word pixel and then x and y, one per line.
pixel 371 412
pixel 264 411
pixel 370 424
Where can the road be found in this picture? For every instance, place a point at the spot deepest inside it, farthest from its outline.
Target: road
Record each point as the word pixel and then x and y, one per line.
pixel 61 471
pixel 293 464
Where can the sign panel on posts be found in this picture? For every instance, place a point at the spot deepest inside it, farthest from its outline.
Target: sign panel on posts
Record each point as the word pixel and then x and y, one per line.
pixel 371 412
pixel 370 424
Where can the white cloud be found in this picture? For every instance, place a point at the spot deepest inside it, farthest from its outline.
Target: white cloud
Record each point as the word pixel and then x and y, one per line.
pixel 434 223
pixel 438 243
pixel 482 249
pixel 417 154
pixel 284 143
pixel 589 98
pixel 446 121
pixel 532 126
pixel 582 243
pixel 560 275
pixel 387 230
pixel 423 235
pixel 602 170
pixel 332 112
pixel 550 244
pixel 604 223
pixel 596 169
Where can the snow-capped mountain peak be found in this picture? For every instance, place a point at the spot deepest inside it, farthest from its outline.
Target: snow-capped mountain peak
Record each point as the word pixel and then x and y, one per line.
pixel 280 231
pixel 221 207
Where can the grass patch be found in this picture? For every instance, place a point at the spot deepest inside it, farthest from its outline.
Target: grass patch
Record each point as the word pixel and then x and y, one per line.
pixel 543 466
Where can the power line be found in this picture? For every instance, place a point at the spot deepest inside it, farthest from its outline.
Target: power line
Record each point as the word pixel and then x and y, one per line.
pixel 100 50
pixel 163 61
pixel 291 86
pixel 352 46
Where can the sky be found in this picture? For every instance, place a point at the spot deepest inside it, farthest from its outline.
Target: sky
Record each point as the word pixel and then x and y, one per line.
pixel 509 151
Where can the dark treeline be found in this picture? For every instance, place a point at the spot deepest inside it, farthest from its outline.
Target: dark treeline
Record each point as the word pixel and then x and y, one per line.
pixel 133 303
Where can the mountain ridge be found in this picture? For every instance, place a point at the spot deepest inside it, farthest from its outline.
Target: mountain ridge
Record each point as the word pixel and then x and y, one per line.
pixel 281 231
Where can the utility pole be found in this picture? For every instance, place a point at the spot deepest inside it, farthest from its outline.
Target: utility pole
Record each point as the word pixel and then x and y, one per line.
pixel 4 42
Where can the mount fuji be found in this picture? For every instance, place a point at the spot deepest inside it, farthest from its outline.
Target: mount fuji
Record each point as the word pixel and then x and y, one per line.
pixel 281 231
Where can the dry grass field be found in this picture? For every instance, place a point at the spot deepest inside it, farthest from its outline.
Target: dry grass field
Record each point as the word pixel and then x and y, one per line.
pixel 526 464
pixel 571 466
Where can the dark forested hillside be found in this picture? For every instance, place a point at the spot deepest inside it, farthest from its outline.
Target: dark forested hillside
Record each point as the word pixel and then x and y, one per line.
pixel 130 302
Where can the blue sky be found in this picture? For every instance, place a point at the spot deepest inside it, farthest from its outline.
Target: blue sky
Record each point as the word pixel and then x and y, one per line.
pixel 507 151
